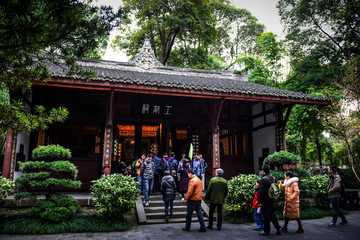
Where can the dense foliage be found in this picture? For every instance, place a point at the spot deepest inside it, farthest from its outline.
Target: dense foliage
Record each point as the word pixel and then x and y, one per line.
pixel 59 208
pixel 6 187
pixel 280 158
pixel 115 195
pixel 48 176
pixel 240 196
pixel 35 33
pixel 242 190
pixel 189 33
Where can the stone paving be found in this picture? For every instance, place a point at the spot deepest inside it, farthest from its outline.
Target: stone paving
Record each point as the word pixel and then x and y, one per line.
pixel 314 229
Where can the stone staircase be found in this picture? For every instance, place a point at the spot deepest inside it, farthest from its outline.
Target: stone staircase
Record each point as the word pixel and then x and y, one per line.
pixel 155 213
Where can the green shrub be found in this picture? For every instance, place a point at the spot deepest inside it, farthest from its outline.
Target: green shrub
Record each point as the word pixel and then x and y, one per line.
pixel 6 187
pixel 315 187
pixel 50 176
pixel 51 152
pixel 59 208
pixel 115 195
pixel 241 195
pixel 242 190
pixel 281 158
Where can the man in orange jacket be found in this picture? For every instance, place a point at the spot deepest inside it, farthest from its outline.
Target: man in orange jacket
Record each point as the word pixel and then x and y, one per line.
pixel 194 197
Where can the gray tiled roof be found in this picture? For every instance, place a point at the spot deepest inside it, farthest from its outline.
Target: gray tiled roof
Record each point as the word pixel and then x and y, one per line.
pixel 179 78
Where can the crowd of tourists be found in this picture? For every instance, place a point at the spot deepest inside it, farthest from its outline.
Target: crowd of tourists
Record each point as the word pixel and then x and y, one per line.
pixel 168 176
pixel 152 172
pixel 263 202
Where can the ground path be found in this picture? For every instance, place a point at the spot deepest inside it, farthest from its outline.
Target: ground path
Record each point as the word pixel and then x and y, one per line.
pixel 314 229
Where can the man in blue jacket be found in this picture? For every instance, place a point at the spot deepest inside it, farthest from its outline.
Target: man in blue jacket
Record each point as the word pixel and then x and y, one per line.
pixel 198 165
pixel 172 165
pixel 158 169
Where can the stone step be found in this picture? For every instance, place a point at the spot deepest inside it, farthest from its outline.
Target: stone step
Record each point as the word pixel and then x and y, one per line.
pixel 152 209
pixel 161 215
pixel 174 220
pixel 158 203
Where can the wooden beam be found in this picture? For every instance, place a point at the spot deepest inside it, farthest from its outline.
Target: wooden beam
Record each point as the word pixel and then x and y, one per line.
pixel 265 125
pixel 217 112
pixel 156 90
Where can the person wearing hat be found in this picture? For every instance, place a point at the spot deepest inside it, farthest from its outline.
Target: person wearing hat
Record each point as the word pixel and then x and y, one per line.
pixel 216 194
pixel 183 171
pixel 194 198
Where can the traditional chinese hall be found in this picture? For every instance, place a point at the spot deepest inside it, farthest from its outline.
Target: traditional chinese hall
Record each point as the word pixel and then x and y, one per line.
pixel 140 106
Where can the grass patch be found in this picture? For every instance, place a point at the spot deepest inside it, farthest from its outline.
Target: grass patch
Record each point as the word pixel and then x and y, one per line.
pixel 23 223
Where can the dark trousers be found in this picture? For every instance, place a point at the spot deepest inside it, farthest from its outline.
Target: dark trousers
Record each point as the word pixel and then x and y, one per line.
pixel 191 206
pixel 335 203
pixel 259 219
pixel 219 214
pixel 167 203
pixel 269 215
pixel 157 181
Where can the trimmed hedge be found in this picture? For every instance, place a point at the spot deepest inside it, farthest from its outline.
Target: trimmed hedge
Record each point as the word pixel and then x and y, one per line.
pixel 280 158
pixel 50 153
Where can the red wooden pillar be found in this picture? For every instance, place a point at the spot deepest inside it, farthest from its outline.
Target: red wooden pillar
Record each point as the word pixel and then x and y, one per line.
pixel 215 151
pixel 215 136
pixel 8 153
pixel 108 138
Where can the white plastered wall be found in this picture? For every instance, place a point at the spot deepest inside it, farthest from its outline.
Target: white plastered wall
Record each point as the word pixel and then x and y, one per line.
pixel 264 137
pixel 24 139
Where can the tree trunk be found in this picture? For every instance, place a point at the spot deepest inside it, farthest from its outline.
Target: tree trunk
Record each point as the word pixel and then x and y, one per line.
pixel 351 157
pixel 318 147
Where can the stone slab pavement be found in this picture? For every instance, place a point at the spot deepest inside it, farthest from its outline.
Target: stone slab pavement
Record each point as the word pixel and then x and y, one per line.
pixel 314 229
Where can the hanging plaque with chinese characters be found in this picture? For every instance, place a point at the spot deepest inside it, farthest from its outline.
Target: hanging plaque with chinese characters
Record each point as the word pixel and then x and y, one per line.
pixel 107 147
pixel 216 149
pixel 155 110
pixel 195 142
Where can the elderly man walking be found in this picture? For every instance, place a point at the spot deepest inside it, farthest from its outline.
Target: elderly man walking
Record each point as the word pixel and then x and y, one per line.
pixel 216 193
pixel 194 197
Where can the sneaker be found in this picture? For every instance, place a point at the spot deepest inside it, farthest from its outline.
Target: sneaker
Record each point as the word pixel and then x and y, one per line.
pixel 258 227
pixel 202 230
pixel 171 213
pixel 185 229
pixel 209 227
pixel 166 219
pixel 146 204
pixel 278 232
pixel 264 233
pixel 343 222
pixel 331 224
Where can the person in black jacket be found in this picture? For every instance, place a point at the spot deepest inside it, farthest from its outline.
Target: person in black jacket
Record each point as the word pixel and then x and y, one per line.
pixel 266 203
pixel 168 189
